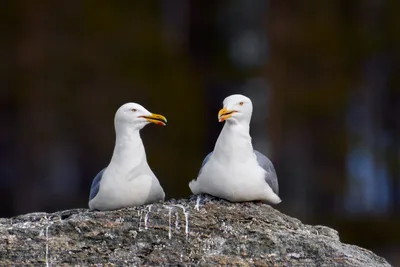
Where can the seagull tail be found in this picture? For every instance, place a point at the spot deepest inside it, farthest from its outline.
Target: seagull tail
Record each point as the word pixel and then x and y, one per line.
pixel 194 187
pixel 274 199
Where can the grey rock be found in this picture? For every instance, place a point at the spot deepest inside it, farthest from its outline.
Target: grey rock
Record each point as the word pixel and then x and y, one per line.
pixel 218 233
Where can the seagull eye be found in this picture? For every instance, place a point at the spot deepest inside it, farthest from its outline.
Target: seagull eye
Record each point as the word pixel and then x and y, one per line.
pixel 134 109
pixel 241 103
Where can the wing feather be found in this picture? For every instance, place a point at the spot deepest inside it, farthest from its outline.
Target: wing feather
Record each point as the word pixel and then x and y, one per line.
pixel 270 173
pixel 94 189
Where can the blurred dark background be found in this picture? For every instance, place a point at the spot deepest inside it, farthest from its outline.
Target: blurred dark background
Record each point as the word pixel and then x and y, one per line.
pixel 323 77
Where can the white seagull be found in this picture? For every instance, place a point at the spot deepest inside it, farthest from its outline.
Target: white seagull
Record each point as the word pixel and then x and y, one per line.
pixel 234 170
pixel 128 180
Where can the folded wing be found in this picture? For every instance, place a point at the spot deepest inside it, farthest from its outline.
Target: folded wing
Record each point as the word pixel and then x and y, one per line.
pixel 270 174
pixel 94 189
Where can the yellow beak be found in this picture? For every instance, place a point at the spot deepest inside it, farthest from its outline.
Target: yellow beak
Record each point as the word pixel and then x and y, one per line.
pixel 156 118
pixel 225 114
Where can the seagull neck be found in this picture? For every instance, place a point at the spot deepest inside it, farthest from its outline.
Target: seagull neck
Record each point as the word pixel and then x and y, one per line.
pixel 128 147
pixel 234 141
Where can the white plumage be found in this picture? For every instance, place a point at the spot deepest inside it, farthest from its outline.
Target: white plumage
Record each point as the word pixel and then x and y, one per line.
pixel 234 170
pixel 127 180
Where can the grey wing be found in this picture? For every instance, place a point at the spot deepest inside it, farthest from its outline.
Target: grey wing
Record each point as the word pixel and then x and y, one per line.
pixel 270 176
pixel 94 189
pixel 205 161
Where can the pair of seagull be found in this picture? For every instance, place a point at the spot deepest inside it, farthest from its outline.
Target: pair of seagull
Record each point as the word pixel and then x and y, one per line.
pixel 233 171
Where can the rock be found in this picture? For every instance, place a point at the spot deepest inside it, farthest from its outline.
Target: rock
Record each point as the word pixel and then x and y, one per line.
pixel 175 233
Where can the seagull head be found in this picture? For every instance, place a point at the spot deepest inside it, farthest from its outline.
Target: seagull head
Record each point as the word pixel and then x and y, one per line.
pixel 236 109
pixel 137 116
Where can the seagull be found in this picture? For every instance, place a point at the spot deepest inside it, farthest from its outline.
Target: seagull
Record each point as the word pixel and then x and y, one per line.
pixel 234 170
pixel 128 180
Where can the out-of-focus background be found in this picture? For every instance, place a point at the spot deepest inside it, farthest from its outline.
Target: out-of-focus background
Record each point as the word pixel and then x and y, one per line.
pixel 323 77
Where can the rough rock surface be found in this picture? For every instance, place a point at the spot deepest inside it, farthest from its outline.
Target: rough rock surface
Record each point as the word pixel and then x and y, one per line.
pixel 219 233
